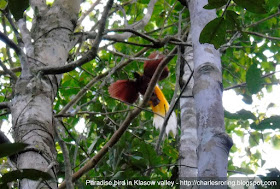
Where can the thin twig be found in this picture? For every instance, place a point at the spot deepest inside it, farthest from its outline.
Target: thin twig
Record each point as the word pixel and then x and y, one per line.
pixel 16 69
pixel 10 43
pixel 227 5
pixel 66 158
pixel 144 36
pixel 85 14
pixel 6 70
pixel 263 20
pixel 13 25
pixel 262 35
pixel 244 84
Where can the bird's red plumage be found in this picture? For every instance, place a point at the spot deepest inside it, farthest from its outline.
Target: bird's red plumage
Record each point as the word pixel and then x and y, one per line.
pixel 150 66
pixel 124 90
pixel 128 90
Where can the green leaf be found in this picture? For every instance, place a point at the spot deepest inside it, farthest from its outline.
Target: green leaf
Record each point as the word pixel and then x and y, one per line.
pixel 8 149
pixel 213 4
pixel 3 4
pixel 275 141
pixel 254 138
pixel 270 123
pixel 232 20
pixel 247 98
pixel 242 114
pixel 255 6
pixel 31 174
pixel 17 8
pixel 254 79
pixel 214 32
pixel 273 3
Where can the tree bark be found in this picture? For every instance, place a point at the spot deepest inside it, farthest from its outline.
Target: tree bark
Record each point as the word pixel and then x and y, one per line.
pixel 214 143
pixel 188 140
pixel 31 109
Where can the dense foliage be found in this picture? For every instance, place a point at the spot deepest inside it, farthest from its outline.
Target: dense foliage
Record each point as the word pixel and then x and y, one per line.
pixel 244 32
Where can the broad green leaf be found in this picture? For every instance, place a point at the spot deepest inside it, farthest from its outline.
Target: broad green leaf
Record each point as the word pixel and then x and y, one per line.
pixel 270 123
pixel 254 79
pixel 242 114
pixel 255 6
pixel 214 32
pixel 3 4
pixel 17 8
pixel 213 4
pixel 232 20
pixel 8 149
pixel 31 174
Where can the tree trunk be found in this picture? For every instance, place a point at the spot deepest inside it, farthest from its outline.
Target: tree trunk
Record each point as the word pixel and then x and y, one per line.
pixel 188 140
pixel 214 143
pixel 32 111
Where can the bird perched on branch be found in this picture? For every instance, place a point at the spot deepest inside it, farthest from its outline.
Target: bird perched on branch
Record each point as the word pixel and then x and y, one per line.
pixel 128 91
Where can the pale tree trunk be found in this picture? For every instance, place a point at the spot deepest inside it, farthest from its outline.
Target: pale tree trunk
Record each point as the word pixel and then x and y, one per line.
pixel 32 105
pixel 188 140
pixel 214 143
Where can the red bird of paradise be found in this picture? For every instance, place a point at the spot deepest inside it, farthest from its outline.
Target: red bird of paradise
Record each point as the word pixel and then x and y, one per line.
pixel 128 91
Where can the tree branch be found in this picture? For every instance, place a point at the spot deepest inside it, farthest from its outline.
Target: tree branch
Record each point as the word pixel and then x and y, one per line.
pixel 137 25
pixel 87 12
pixel 10 43
pixel 263 20
pixel 65 152
pixel 244 84
pixel 91 54
pixel 13 25
pixel 16 69
pixel 156 43
pixel 19 52
pixel 4 105
pixel 262 35
pixel 144 36
pixel 26 37
pixel 7 71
